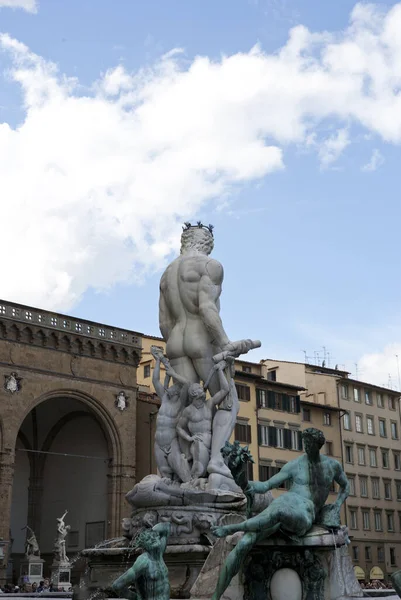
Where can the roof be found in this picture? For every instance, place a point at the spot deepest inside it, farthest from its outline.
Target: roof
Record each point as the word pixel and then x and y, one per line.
pixel 372 386
pixel 263 380
pixel 322 406
pixel 327 370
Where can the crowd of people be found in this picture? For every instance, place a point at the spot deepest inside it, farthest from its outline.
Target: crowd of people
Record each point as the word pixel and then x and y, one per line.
pixel 31 588
pixel 376 584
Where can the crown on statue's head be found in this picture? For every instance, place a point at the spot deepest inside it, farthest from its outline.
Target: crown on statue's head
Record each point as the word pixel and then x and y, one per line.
pixel 199 225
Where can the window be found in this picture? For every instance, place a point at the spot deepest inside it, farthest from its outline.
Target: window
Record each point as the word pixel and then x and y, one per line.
pixel 380 554
pixel 355 553
pixel 368 553
pixel 387 490
pixel 399 520
pixel 271 375
pixel 28 315
pixel 351 480
pixel 244 392
pixel 306 414
pixel 280 437
pixel 385 459
pixel 249 466
pixel 261 398
pixel 398 489
pixel 263 435
pixel 53 321
pixel 242 433
pixel 390 521
pixel 357 395
pixel 344 391
pixel 94 533
pixel 382 428
pixel 378 521
pixel 264 473
pixel 329 448
pixel 246 369
pixel 393 560
pixel 370 426
pixel 379 399
pixel 73 539
pixel 394 430
pixel 366 519
pixel 347 421
pixel 391 403
pixel 372 457
pixel 363 485
pixel 349 458
pixel 358 423
pixel 326 418
pixel 296 440
pixel 353 519
pixel 397 461
pixel 146 371
pixel 293 404
pixel 375 487
pixel 368 398
pixel 361 455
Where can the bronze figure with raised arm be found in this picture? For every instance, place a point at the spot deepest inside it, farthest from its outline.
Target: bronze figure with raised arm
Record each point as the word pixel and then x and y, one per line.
pixel 309 477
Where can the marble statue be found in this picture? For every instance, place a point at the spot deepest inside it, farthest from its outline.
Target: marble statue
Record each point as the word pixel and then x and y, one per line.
pixel 195 424
pixel 148 575
pixel 169 457
pixel 31 544
pixel 59 543
pixel 191 326
pixel 292 514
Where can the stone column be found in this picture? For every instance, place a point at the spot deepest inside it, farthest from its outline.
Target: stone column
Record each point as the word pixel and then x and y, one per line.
pixel 35 495
pixel 121 479
pixel 7 465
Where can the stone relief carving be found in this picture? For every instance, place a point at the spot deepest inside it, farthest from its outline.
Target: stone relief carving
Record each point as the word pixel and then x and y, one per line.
pixel 12 383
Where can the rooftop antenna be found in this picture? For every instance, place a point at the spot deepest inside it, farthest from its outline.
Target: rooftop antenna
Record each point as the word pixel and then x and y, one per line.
pixel 328 359
pixel 324 354
pixel 390 383
pixel 305 357
pixel 356 371
pixel 398 369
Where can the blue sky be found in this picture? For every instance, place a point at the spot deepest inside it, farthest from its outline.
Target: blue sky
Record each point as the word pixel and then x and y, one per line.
pixel 109 140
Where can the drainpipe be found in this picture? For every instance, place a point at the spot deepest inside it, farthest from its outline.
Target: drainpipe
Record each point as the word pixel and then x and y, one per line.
pixel 340 415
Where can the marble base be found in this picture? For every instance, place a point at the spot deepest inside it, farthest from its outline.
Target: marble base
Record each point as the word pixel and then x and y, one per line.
pixel 61 575
pixel 31 570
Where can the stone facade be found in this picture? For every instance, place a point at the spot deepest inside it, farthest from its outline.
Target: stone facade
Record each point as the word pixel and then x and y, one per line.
pixel 54 371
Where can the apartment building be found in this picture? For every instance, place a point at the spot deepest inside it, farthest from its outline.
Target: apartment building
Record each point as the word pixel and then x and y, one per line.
pixel 371 454
pixel 272 414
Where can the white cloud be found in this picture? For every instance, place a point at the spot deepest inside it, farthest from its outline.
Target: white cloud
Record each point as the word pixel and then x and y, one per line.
pixel 382 368
pixel 94 186
pixel 332 147
pixel 28 5
pixel 376 161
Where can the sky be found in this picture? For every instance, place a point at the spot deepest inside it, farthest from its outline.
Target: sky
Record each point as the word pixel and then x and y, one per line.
pixel 278 123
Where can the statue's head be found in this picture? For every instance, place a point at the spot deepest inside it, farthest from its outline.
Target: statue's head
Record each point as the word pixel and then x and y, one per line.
pixel 313 440
pixel 174 390
pixel 197 395
pixel 148 540
pixel 197 237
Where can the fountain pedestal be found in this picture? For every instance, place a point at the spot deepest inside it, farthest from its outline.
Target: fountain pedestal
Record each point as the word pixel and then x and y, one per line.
pixel 317 567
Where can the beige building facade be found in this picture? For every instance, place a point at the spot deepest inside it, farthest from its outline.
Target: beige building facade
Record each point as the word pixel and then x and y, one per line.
pixel 370 448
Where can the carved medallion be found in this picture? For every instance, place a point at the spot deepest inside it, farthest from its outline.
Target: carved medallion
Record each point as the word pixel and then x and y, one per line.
pixel 12 383
pixel 121 401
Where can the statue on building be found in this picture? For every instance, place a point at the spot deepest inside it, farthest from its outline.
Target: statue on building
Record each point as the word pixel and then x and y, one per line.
pixel 60 554
pixel 190 324
pixel 292 514
pixel 148 575
pixel 31 544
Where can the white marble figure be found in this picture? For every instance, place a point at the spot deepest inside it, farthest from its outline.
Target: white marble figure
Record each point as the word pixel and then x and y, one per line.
pixel 195 424
pixel 121 401
pixel 31 544
pixel 12 383
pixel 170 460
pixel 190 323
pixel 59 543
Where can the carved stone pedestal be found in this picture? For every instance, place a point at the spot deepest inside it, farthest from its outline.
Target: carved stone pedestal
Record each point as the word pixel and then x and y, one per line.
pixel 61 575
pixel 317 567
pixel 31 570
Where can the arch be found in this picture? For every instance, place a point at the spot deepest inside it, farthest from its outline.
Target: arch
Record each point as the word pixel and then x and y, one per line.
pixel 104 418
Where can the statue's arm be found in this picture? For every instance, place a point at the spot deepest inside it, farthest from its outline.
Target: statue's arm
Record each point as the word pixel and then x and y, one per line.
pixel 224 388
pixel 181 426
pixel 166 324
pixel 156 380
pixel 163 529
pixel 209 293
pixel 260 487
pixel 342 480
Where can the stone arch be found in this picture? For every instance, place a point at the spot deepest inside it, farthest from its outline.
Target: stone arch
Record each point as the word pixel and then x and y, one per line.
pixel 105 420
